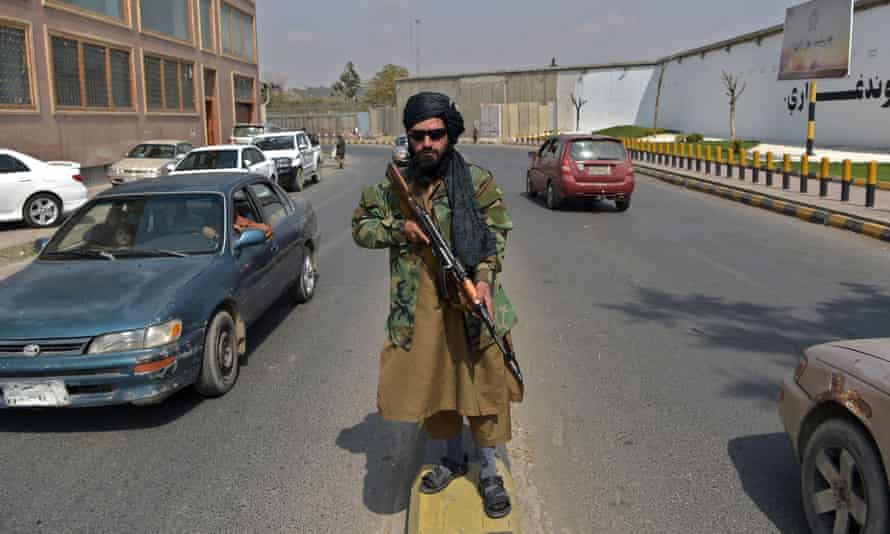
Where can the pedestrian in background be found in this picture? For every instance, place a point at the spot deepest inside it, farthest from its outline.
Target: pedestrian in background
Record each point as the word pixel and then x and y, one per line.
pixel 341 150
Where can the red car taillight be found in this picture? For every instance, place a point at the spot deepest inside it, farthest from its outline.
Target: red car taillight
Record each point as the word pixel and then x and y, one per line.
pixel 567 172
pixel 77 178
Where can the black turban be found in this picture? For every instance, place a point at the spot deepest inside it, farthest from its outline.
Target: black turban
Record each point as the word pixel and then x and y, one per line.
pixel 471 238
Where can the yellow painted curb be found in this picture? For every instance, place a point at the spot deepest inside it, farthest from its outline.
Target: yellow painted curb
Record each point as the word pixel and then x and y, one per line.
pixel 804 213
pixel 873 230
pixel 459 507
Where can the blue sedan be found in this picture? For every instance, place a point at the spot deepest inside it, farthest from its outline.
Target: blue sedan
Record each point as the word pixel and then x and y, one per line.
pixel 151 287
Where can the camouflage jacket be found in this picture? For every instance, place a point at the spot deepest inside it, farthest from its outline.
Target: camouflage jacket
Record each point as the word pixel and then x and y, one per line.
pixel 378 222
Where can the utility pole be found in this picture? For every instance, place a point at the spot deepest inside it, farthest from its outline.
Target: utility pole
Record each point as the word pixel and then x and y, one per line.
pixel 417 43
pixel 411 39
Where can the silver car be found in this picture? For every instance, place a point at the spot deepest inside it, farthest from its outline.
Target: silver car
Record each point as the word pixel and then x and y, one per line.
pixel 400 155
pixel 149 159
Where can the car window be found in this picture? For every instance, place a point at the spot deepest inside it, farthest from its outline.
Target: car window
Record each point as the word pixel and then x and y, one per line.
pixel 183 148
pixel 272 206
pixel 246 131
pixel 152 151
pixel 556 148
pixel 257 155
pixel 588 149
pixel 10 164
pixel 252 155
pixel 278 142
pixel 209 160
pixel 243 207
pixel 543 151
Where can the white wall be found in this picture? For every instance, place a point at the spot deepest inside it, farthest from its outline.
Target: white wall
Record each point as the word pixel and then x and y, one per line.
pixel 693 98
pixel 614 96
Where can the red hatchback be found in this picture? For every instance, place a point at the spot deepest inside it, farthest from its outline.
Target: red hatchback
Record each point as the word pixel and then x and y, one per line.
pixel 578 166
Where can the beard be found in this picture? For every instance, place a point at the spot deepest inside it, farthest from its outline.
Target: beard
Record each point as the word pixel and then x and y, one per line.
pixel 428 164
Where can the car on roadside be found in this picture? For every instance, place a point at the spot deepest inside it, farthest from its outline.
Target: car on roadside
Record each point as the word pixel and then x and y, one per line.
pixel 835 408
pixel 243 132
pixel 400 154
pixel 38 192
pixel 150 159
pixel 226 159
pixel 150 288
pixel 581 167
pixel 294 157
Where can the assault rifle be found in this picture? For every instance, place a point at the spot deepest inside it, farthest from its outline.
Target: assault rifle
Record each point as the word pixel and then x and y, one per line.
pixel 452 265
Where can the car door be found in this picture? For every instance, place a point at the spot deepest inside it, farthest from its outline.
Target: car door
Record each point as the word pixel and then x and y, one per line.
pixel 538 167
pixel 287 250
pixel 16 183
pixel 306 153
pixel 254 161
pixel 255 292
pixel 552 168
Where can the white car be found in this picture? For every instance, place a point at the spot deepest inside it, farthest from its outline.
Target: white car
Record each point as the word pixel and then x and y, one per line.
pixel 38 192
pixel 228 158
pixel 294 155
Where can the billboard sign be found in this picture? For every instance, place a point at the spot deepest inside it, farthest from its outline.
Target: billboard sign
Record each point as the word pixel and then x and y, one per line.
pixel 817 40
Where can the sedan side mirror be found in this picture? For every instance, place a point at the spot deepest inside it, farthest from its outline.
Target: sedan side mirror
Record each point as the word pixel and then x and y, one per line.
pixel 40 244
pixel 170 167
pixel 250 237
pixel 180 156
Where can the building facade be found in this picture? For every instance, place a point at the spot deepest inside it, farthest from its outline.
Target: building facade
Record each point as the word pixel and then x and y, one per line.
pixel 85 80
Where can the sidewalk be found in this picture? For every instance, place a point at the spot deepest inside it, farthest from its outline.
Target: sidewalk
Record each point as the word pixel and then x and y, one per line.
pixel 828 210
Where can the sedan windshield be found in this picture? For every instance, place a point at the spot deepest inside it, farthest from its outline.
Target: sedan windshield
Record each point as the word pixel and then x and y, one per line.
pixel 247 131
pixel 150 151
pixel 587 150
pixel 142 226
pixel 279 142
pixel 209 160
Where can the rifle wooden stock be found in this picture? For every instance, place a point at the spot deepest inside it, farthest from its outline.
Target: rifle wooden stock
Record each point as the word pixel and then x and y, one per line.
pixel 452 265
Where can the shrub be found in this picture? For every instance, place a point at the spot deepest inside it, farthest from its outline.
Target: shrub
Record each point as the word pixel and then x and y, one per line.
pixel 695 138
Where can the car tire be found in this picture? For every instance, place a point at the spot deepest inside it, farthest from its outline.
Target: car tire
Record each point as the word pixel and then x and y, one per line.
pixel 835 443
pixel 316 178
pixel 42 210
pixel 220 365
pixel 623 205
pixel 529 188
pixel 302 289
pixel 551 199
pixel 297 184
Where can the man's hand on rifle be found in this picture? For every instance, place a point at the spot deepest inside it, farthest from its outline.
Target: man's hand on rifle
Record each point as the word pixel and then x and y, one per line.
pixel 483 291
pixel 415 234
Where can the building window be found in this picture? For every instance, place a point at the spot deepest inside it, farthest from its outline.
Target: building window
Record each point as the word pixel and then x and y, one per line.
pixel 115 9
pixel 15 75
pixel 237 33
pixel 167 17
pixel 243 90
pixel 207 29
pixel 90 75
pixel 169 84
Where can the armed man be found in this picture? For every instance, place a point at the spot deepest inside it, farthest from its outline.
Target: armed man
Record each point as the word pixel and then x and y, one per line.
pixel 440 362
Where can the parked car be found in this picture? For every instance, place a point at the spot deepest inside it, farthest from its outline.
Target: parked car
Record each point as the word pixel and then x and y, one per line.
pixel 836 410
pixel 38 192
pixel 242 133
pixel 149 288
pixel 400 154
pixel 580 166
pixel 225 159
pixel 150 159
pixel 294 156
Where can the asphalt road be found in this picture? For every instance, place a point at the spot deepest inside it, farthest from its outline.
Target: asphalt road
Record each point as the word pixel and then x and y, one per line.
pixel 653 342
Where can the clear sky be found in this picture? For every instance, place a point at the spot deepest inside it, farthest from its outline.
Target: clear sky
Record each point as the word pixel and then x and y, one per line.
pixel 309 42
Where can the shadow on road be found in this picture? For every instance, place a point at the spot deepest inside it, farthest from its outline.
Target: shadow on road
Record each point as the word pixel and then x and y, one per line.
pixel 770 476
pixel 390 451
pixel 574 205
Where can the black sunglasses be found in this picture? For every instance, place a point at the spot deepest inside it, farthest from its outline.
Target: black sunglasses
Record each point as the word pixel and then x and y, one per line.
pixel 420 135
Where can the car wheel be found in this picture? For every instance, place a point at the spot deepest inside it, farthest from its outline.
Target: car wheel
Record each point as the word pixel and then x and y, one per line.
pixel 303 288
pixel 42 210
pixel 622 205
pixel 316 178
pixel 529 188
pixel 220 366
pixel 843 484
pixel 298 180
pixel 551 198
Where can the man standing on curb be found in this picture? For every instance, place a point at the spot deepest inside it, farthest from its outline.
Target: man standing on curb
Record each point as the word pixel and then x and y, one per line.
pixel 439 365
pixel 341 149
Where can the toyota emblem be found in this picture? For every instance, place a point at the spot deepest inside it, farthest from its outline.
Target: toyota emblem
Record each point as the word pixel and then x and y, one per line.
pixel 31 350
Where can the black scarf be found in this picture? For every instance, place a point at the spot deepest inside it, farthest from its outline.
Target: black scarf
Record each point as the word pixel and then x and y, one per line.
pixel 471 238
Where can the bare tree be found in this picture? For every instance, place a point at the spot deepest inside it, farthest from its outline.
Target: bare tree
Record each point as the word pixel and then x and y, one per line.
pixel 578 103
pixel 734 92
pixel 661 70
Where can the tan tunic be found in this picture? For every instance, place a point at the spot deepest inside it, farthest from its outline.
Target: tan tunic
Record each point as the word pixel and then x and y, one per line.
pixel 440 372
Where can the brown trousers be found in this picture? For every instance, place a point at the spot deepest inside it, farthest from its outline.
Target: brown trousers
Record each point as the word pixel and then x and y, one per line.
pixel 487 430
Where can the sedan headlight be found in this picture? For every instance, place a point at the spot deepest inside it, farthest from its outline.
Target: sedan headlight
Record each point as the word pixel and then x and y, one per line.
pixel 144 338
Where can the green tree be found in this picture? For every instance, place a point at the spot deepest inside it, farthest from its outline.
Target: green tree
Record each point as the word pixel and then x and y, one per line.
pixel 349 82
pixel 382 87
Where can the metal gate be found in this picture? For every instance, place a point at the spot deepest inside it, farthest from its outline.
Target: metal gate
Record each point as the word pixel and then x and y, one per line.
pixel 490 125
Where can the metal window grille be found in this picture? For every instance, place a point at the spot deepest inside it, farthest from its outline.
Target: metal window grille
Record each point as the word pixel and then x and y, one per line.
pixel 154 91
pixel 243 89
pixel 15 85
pixel 171 86
pixel 95 75
pixel 66 71
pixel 187 73
pixel 121 82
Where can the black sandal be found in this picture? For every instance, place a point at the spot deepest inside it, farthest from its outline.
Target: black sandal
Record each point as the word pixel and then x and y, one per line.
pixel 494 497
pixel 439 478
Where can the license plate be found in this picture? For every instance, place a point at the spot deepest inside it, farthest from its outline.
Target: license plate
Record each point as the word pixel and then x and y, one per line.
pixel 598 170
pixel 51 393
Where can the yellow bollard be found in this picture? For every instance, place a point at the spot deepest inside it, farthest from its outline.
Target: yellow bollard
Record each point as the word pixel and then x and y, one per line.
pixel 698 157
pixel 871 184
pixel 786 171
pixel 804 172
pixel 824 171
pixel 846 180
pixel 755 166
pixel 770 167
pixel 730 162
